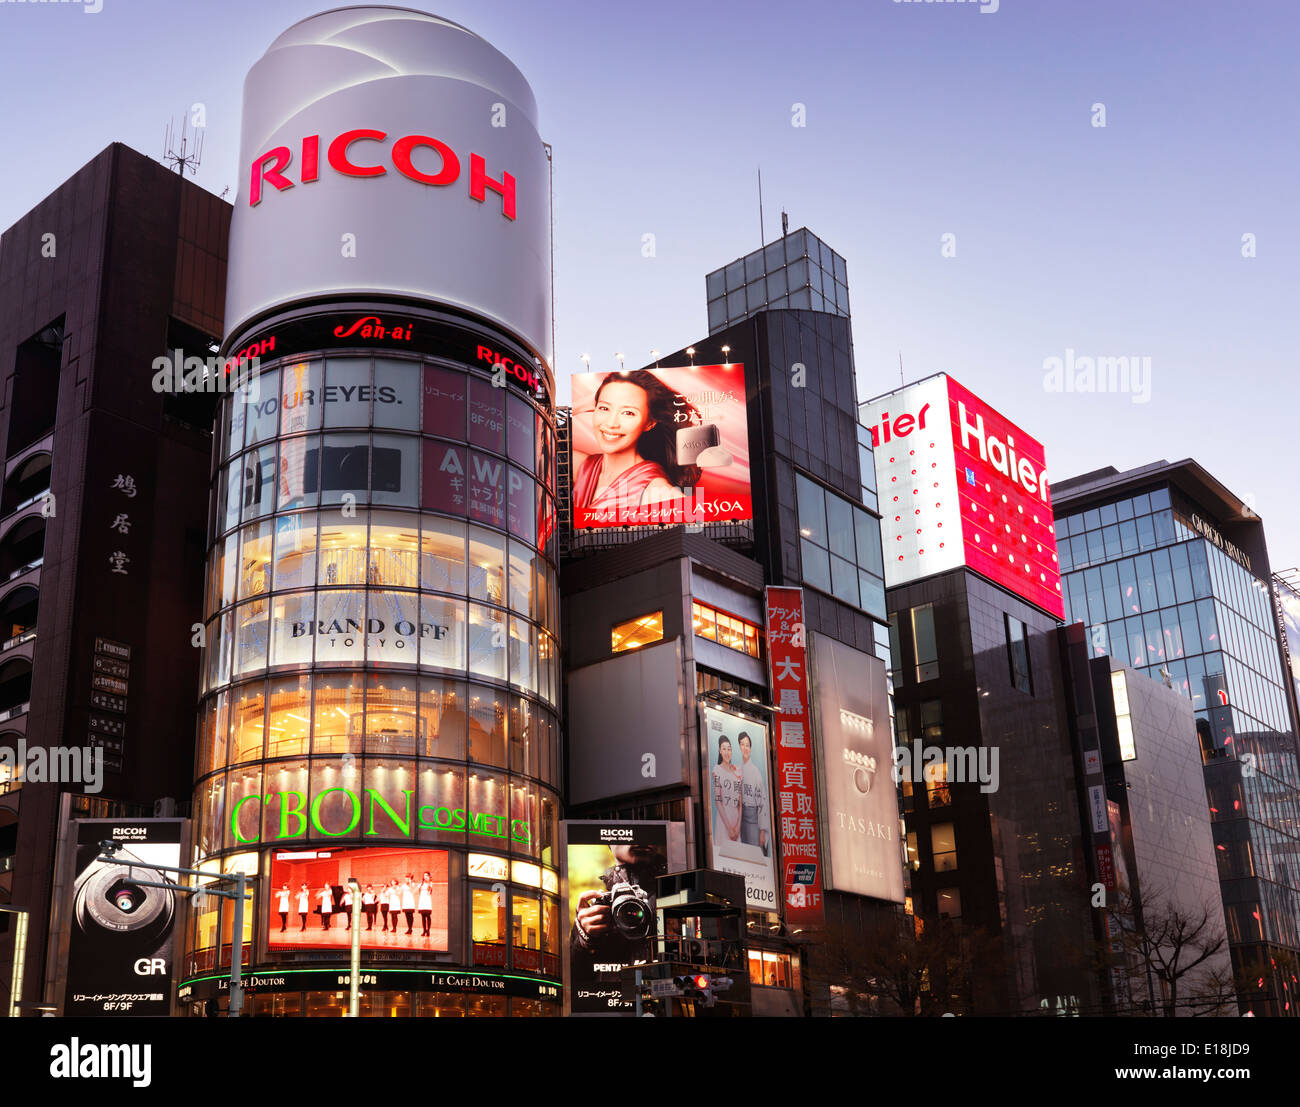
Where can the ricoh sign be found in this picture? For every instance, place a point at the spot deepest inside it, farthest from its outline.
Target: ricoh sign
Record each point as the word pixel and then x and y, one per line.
pixel 960 484
pixel 389 152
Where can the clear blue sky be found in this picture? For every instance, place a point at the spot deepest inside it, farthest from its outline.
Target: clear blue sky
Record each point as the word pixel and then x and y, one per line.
pixel 922 120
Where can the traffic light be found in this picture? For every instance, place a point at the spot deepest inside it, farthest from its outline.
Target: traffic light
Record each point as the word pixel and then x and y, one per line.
pixel 697 987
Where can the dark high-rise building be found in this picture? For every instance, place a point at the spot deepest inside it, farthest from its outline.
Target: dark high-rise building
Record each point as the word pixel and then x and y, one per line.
pixel 102 516
pixel 667 654
pixel 995 831
pixel 1169 573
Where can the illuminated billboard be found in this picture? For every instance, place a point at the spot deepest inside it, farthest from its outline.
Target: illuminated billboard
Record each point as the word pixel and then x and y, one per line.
pixel 851 720
pixel 403 899
pixel 120 948
pixel 787 655
pixel 611 871
pixel 960 484
pixel 655 446
pixel 739 793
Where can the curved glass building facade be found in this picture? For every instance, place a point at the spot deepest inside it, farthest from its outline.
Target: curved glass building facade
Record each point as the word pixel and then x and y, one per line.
pixel 381 672
pixel 378 724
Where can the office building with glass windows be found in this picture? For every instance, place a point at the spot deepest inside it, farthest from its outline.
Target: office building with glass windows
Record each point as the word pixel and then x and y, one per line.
pixel 798 271
pixel 1168 571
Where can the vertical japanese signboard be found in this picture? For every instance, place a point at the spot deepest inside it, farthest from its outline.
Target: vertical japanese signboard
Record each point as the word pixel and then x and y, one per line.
pixel 796 784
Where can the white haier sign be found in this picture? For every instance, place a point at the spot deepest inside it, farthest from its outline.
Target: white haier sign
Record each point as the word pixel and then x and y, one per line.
pixel 385 150
pixel 920 513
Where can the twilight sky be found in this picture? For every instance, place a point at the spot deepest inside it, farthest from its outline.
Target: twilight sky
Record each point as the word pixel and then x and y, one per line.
pixel 922 120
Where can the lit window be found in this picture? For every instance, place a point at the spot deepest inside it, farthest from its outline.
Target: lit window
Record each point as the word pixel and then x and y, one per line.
pixel 637 632
pixel 727 630
pixel 1018 654
pixel 488 911
pixel 938 793
pixel 943 845
pixel 927 646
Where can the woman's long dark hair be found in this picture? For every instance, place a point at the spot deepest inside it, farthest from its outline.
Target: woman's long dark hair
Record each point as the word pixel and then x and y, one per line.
pixel 659 443
pixel 722 742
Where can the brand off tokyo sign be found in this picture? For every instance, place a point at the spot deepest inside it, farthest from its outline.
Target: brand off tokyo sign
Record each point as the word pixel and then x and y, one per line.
pixel 959 484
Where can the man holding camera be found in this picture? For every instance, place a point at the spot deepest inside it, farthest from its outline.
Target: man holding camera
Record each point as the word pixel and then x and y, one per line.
pixel 617 925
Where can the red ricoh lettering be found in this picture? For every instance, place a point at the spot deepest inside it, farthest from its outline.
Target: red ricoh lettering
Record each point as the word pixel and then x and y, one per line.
pixel 523 372
pixel 359 153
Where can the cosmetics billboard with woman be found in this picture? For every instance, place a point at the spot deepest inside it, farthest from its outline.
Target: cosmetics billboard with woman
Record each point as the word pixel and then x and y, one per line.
pixel 661 445
pixel 635 420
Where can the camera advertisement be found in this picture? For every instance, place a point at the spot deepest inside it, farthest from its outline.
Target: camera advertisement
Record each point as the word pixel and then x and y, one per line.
pixel 612 869
pixel 120 956
pixel 656 446
pixel 739 789
pixel 403 899
pixel 851 720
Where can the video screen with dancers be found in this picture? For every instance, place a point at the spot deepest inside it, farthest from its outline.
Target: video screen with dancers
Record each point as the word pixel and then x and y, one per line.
pixel 403 898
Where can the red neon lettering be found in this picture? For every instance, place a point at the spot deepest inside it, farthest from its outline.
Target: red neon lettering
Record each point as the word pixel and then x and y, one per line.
pixel 479 181
pixel 281 155
pixel 402 159
pixel 485 354
pixel 310 158
pixel 371 320
pixel 338 153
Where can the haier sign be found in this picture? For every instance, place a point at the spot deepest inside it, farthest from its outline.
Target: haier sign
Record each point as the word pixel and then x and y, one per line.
pixel 960 484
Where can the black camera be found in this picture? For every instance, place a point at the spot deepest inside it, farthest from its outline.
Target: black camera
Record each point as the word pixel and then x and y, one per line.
pixel 110 898
pixel 629 906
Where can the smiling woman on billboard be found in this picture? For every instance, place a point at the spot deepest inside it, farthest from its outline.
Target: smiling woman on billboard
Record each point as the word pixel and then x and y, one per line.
pixel 635 422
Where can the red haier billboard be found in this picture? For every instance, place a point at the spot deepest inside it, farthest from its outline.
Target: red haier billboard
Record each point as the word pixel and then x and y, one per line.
pixel 960 484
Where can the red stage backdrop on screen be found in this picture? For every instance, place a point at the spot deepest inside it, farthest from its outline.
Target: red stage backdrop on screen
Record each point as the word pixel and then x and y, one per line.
pixel 796 781
pixel 960 484
pixel 403 898
pixel 655 446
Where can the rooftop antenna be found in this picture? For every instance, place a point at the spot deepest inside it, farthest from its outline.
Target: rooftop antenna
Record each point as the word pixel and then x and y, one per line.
pixel 762 235
pixel 184 159
pixel 785 223
pixel 900 369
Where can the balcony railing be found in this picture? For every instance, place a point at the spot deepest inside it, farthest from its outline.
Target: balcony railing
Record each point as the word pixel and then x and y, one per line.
pixel 29 501
pixel 18 639
pixel 15 711
pixel 28 567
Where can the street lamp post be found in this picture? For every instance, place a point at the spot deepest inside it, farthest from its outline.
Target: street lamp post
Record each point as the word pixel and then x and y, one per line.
pixel 20 955
pixel 239 893
pixel 354 977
